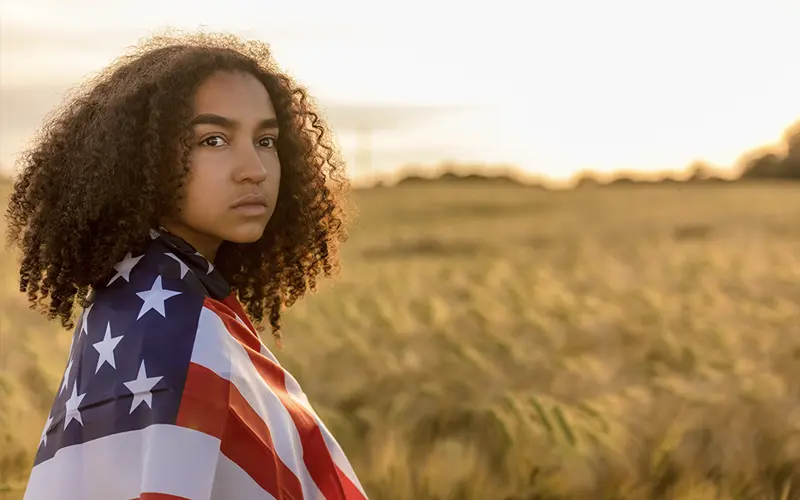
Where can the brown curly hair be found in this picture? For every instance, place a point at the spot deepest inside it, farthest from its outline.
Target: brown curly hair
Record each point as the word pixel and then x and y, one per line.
pixel 108 167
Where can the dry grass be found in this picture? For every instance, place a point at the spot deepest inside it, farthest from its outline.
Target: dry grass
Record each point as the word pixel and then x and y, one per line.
pixel 505 343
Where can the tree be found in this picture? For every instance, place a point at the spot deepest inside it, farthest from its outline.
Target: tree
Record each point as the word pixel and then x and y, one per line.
pixel 766 166
pixel 700 171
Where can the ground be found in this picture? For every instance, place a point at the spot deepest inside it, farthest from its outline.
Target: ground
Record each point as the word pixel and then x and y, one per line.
pixel 503 342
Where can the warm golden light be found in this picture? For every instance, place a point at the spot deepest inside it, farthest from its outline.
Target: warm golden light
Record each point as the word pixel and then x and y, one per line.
pixel 552 87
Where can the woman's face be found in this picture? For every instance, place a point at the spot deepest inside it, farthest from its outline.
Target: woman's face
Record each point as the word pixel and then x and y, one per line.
pixel 234 175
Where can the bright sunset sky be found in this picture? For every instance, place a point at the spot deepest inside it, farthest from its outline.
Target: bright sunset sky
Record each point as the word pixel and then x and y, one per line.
pixel 553 87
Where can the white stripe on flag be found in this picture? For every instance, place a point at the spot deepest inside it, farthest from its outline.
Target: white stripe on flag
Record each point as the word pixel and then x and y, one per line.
pixel 159 458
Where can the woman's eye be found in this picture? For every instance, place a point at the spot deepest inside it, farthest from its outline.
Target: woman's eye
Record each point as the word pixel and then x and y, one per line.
pixel 267 142
pixel 213 141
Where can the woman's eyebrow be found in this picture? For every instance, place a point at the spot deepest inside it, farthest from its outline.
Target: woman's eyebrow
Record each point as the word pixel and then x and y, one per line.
pixel 212 119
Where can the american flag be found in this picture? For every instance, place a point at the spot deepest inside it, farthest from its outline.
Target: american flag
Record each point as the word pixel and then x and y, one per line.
pixel 168 393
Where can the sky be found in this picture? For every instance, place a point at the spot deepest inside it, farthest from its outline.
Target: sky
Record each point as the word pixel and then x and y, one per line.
pixel 552 87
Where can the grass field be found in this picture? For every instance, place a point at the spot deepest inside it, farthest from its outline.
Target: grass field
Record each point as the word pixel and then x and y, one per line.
pixel 490 342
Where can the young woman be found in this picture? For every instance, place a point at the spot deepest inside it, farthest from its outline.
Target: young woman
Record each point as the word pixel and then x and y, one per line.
pixel 182 198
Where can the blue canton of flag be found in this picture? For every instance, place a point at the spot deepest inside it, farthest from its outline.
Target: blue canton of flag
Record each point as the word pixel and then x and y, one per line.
pixel 107 387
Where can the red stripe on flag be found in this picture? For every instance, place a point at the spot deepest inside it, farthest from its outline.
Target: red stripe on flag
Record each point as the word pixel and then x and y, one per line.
pixel 237 308
pixel 333 483
pixel 351 491
pixel 213 405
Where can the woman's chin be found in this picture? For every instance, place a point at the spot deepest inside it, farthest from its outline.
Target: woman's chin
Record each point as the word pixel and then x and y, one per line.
pixel 245 233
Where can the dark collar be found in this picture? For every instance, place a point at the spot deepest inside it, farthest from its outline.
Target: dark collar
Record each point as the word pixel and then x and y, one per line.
pixel 211 279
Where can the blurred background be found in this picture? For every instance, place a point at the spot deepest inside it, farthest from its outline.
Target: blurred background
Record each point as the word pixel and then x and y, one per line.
pixel 575 268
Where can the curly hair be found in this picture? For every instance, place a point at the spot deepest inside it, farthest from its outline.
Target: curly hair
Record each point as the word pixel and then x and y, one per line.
pixel 111 163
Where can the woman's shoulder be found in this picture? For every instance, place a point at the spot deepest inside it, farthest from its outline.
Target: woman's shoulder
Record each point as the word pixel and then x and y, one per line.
pixel 150 307
pixel 146 287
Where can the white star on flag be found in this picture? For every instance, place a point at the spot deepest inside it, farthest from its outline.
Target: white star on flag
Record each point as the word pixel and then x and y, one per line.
pixel 72 412
pixel 184 267
pixel 154 298
pixel 210 265
pixel 43 438
pixel 141 388
pixel 66 376
pixel 124 267
pixel 85 321
pixel 106 349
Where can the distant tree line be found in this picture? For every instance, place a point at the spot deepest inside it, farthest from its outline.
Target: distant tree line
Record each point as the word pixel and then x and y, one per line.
pixel 781 164
pixel 777 162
